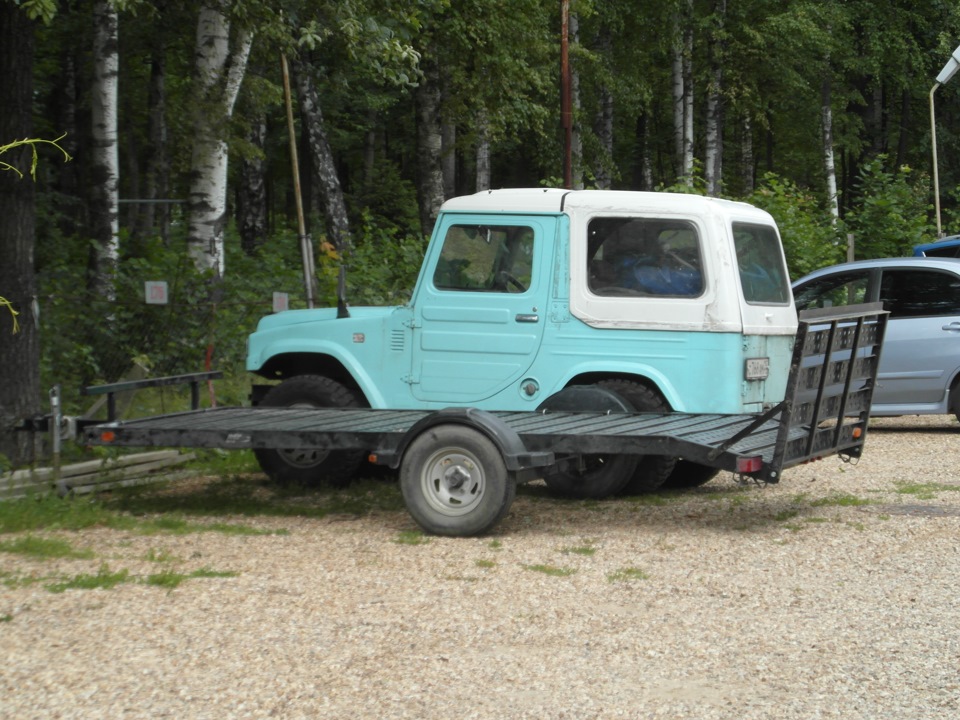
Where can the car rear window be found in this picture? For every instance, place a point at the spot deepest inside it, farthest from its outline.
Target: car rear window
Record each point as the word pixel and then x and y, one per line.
pixel 763 274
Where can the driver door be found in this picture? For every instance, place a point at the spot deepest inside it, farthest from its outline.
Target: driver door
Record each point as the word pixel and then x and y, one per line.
pixel 480 312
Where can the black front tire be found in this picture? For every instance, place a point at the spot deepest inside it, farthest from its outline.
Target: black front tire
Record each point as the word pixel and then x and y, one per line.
pixel 310 466
pixel 454 481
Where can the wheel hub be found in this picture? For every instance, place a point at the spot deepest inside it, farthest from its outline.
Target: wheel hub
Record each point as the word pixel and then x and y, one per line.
pixel 455 476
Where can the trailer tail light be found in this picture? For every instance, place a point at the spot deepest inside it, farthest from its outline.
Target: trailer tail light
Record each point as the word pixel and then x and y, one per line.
pixel 749 464
pixel 108 436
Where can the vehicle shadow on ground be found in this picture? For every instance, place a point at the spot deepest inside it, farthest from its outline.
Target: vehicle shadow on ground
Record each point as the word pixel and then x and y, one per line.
pixel 720 507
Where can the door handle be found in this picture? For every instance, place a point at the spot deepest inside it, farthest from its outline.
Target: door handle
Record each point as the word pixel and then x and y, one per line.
pixel 534 318
pixel 952 327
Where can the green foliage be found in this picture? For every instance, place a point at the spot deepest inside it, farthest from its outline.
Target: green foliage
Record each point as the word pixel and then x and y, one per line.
pixel 89 340
pixel 382 268
pixel 809 239
pixel 171 579
pixel 43 547
pixel 893 212
pixel 103 579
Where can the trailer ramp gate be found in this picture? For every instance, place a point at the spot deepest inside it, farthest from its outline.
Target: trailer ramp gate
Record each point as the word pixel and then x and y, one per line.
pixel 826 411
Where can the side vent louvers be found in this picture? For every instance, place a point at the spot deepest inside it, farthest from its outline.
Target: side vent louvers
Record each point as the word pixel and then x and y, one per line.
pixel 397 340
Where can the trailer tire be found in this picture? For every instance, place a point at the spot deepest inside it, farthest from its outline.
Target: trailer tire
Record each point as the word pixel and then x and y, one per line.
pixel 310 466
pixel 455 482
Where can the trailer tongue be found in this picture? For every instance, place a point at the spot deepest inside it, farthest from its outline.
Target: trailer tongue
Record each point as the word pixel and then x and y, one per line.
pixel 459 466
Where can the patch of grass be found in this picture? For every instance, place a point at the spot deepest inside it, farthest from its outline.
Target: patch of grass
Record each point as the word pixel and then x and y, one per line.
pixel 925 491
pixel 579 550
pixel 411 537
pixel 627 574
pixel 54 513
pixel 102 579
pixel 171 580
pixel 784 515
pixel 841 500
pixel 40 547
pixel 550 570
pixel 485 564
pixel 495 545
pixel 6 617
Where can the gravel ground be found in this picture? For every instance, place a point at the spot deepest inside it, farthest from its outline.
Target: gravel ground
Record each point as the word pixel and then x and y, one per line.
pixel 790 601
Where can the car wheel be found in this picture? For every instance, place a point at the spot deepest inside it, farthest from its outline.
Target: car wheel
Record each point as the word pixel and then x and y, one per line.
pixel 310 466
pixel 688 475
pixel 651 471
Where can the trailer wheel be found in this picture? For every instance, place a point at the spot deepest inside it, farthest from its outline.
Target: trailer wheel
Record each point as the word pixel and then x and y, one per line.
pixel 454 481
pixel 310 466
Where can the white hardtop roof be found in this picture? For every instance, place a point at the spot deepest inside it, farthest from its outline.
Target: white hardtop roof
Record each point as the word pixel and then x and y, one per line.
pixel 556 200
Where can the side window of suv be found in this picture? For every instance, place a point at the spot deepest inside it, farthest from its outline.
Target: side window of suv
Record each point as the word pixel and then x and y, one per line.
pixel 644 257
pixel 920 293
pixel 847 288
pixel 486 258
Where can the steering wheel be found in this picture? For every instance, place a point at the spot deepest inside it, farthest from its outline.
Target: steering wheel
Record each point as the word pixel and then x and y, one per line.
pixel 507 279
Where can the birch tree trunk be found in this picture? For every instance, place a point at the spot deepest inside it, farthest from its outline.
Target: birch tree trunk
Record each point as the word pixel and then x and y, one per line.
pixel 219 74
pixel 335 208
pixel 104 170
pixel 713 160
pixel 679 127
pixel 826 127
pixel 482 152
pixel 19 352
pixel 429 146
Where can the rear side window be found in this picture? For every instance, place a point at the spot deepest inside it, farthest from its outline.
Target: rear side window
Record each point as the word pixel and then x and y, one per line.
pixel 486 258
pixel 763 275
pixel 920 293
pixel 844 288
pixel 644 257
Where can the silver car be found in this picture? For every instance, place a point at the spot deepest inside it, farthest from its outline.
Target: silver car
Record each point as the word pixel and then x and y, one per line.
pixel 920 362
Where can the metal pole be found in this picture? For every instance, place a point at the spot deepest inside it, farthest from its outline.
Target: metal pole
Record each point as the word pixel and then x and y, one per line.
pixel 936 175
pixel 306 246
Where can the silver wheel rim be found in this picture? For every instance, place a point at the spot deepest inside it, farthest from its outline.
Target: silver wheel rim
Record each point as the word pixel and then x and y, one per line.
pixel 453 482
pixel 303 457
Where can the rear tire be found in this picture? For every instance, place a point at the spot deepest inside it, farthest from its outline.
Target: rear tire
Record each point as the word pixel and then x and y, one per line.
pixel 310 466
pixel 689 474
pixel 454 481
pixel 651 471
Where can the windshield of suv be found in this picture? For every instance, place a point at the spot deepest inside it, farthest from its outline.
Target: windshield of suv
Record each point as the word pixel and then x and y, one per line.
pixel 763 275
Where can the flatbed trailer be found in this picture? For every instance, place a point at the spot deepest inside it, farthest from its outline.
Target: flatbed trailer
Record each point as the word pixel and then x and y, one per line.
pixel 459 466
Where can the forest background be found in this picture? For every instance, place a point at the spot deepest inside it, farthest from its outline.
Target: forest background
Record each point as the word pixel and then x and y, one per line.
pixel 180 169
